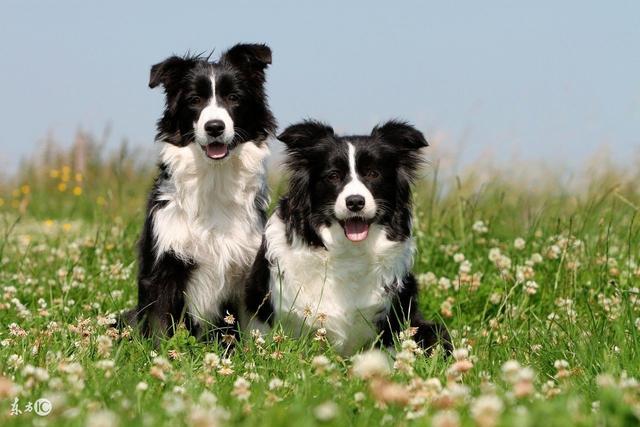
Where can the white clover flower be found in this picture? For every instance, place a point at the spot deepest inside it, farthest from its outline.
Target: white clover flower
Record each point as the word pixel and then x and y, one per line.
pixel 465 267
pixel 458 257
pixel 320 334
pixel 433 385
pixel 105 364
pixel 226 367
pixel 486 410
pixel 321 364
pixel 211 361
pixel 562 366
pixel 494 254
pixel 510 370
pixel 446 418
pixel 480 227
pixel 257 336
pixel 108 320
pixel 275 383
pixel 173 403
pixel 554 252
pixel 206 416
pixel 229 319
pixel 142 386
pixel 460 353
pixel 495 298
pixel 326 411
pixel 102 418
pixel 411 346
pixel 536 258
pixel 16 331
pixel 427 279
pixel 37 373
pixel 241 389
pixel 456 391
pixel 526 374
pixel 503 262
pixel 403 363
pixel 531 287
pixel 161 363
pixel 104 344
pixel 372 363
pixel 208 399
pixel 15 361
pixel 519 243
pixel 444 283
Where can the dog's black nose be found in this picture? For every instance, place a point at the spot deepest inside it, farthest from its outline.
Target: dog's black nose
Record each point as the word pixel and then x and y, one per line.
pixel 355 203
pixel 214 127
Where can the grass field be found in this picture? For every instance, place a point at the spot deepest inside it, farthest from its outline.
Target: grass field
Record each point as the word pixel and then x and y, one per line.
pixel 538 284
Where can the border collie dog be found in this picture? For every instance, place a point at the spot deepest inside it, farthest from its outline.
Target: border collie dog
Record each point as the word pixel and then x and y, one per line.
pixel 206 211
pixel 337 254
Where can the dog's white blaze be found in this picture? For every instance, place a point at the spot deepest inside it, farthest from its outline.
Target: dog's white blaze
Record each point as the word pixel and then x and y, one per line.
pixel 210 218
pixel 354 187
pixel 213 112
pixel 344 284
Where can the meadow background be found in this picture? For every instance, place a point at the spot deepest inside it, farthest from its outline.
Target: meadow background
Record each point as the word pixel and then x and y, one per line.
pixel 526 216
pixel 536 277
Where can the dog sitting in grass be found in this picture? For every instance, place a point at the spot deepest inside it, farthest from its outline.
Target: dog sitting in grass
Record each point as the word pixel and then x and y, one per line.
pixel 206 210
pixel 337 253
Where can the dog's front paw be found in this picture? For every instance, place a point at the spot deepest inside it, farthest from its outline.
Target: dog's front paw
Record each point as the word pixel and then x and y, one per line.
pixel 430 334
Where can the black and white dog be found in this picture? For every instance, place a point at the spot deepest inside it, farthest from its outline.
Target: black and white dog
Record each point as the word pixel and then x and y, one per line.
pixel 206 211
pixel 337 254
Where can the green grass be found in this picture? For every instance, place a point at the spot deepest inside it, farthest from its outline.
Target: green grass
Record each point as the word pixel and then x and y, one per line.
pixel 67 263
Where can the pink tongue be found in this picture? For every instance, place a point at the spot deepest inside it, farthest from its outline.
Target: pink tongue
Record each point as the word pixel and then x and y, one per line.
pixel 216 150
pixel 356 230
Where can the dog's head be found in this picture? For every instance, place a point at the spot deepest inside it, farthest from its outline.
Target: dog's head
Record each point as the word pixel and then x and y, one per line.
pixel 217 105
pixel 355 181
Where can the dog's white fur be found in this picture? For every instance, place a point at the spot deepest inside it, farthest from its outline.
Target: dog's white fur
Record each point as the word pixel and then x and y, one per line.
pixel 343 285
pixel 210 218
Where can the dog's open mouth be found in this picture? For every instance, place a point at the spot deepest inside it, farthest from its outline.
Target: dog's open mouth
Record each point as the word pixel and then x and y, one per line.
pixel 356 229
pixel 216 150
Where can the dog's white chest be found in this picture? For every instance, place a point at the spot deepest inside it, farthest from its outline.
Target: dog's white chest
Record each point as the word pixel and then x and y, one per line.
pixel 223 259
pixel 209 219
pixel 342 289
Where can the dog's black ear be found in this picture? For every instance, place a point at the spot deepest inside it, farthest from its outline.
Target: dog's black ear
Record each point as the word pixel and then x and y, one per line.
pixel 249 56
pixel 170 71
pixel 407 141
pixel 304 134
pixel 400 134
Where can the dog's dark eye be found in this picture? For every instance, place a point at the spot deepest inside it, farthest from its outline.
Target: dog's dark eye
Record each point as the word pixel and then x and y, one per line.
pixel 372 174
pixel 194 100
pixel 333 177
pixel 233 97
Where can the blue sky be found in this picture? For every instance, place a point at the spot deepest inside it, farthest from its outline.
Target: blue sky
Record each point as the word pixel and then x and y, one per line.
pixel 549 80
